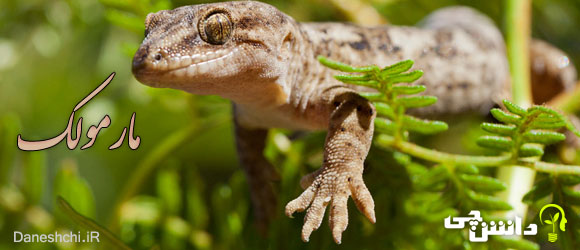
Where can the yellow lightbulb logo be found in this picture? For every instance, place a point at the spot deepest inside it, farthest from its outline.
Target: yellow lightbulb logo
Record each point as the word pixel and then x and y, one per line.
pixel 553 236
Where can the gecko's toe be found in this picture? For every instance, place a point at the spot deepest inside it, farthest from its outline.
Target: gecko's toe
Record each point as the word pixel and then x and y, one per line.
pixel 330 187
pixel 362 198
pixel 301 203
pixel 314 215
pixel 338 217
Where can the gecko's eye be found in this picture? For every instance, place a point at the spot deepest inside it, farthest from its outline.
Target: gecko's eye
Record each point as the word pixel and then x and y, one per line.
pixel 216 28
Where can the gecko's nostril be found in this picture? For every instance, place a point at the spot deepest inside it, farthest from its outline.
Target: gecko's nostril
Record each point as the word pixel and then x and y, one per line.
pixel 139 60
pixel 157 57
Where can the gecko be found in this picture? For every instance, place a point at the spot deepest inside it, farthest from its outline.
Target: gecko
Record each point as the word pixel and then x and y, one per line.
pixel 265 63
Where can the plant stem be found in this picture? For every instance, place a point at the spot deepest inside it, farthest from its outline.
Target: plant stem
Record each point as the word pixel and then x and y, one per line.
pixel 518 21
pixel 519 180
pixel 391 142
pixel 441 157
pixel 552 168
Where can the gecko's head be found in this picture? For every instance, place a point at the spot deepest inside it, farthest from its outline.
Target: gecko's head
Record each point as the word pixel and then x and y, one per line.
pixel 214 48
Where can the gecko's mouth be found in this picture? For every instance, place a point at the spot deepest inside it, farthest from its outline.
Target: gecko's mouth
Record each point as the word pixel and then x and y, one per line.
pixel 199 63
pixel 149 69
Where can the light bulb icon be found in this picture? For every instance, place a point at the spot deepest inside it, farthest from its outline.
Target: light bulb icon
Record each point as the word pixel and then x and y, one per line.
pixel 553 236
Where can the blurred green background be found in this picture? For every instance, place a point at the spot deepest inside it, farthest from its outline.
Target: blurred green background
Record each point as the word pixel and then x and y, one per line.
pixel 182 188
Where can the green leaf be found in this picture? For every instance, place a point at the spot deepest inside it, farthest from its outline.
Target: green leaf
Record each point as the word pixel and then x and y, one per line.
pixel 346 78
pixel 540 190
pixel 408 89
pixel 169 190
pixel 549 222
pixel 408 77
pixel 538 124
pixel 367 83
pixel 423 126
pixel 572 129
pixel 556 217
pixel 384 109
pixel 511 107
pixel 435 176
pixel 467 169
pixel 541 109
pixel 175 231
pixel 487 202
pixel 546 117
pixel 397 68
pixel 543 136
pixel 9 126
pixel 445 201
pixel 495 142
pixel 414 169
pixel 34 175
pixel 504 117
pixel 416 101
pixel 197 212
pixel 569 180
pixel 531 149
pixel 571 196
pixel 554 116
pixel 545 110
pixel 372 96
pixel 500 129
pixel 370 84
pixel 384 125
pixel 74 189
pixel 345 67
pixel 89 224
pixel 401 158
pixel 482 183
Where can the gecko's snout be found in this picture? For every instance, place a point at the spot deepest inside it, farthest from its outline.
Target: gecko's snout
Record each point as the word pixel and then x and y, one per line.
pixel 144 59
pixel 139 61
pixel 143 64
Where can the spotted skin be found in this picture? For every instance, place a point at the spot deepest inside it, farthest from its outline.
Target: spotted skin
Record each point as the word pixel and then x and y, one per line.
pixel 265 62
pixel 346 147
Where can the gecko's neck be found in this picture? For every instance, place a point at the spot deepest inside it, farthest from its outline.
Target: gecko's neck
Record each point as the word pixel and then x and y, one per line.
pixel 298 66
pixel 302 61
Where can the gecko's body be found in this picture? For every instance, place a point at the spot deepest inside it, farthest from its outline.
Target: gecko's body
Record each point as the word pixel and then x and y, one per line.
pixel 265 62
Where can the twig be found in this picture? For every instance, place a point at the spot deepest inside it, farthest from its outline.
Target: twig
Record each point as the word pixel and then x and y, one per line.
pixel 518 22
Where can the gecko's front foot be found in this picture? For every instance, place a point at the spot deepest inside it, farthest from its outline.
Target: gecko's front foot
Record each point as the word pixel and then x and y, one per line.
pixel 347 144
pixel 331 186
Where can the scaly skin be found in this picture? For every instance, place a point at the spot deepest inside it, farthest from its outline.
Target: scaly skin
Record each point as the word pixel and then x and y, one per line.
pixel 265 62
